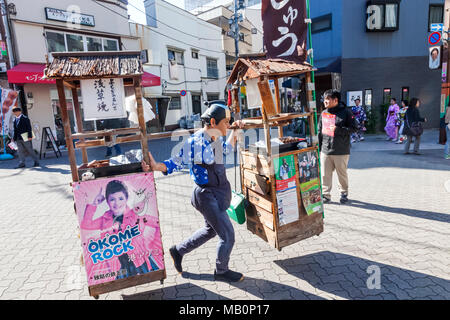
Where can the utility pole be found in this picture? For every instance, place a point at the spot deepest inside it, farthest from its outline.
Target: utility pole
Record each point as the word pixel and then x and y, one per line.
pixel 234 33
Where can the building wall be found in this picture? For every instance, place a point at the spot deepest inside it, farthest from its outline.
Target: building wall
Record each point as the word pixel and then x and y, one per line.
pixel 28 27
pixel 328 44
pixel 409 41
pixel 192 77
pixel 378 60
pixel 395 73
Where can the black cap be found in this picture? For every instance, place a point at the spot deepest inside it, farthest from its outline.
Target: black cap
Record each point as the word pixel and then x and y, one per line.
pixel 217 110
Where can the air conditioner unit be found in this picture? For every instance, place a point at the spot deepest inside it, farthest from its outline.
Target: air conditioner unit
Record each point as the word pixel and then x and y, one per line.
pixel 3 67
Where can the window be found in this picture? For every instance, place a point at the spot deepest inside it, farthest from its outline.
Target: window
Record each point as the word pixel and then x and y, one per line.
pixel 56 42
pixel 61 41
pixel 212 97
pixel 212 71
pixel 74 42
pixel 405 93
pixel 94 44
pixel 386 95
pixel 194 54
pixel 176 56
pixel 110 45
pixel 175 103
pixel 368 97
pixel 435 15
pixel 321 24
pixel 382 17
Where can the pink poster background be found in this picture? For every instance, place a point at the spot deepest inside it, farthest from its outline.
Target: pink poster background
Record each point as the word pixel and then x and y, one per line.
pixel 120 236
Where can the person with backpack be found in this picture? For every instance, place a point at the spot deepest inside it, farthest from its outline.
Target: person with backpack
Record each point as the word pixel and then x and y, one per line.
pixel 413 126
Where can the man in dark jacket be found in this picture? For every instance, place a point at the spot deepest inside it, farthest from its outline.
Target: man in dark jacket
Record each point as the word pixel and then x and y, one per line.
pixel 22 137
pixel 336 124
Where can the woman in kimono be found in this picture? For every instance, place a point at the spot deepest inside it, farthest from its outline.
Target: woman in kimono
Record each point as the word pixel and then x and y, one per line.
pixel 401 122
pixel 391 127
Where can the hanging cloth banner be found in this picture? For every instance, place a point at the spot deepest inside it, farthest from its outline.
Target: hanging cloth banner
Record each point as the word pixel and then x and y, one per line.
pixel 285 30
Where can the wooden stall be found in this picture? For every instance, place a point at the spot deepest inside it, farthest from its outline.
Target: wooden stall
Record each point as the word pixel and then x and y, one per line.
pixel 70 69
pixel 300 216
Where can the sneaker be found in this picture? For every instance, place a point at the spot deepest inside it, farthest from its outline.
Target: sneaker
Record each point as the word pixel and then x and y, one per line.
pixel 417 153
pixel 326 199
pixel 21 165
pixel 353 141
pixel 399 142
pixel 344 198
pixel 406 152
pixel 229 276
pixel 388 139
pixel 361 139
pixel 176 257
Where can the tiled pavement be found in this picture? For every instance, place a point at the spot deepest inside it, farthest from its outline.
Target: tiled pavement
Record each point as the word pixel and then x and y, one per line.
pixel 396 226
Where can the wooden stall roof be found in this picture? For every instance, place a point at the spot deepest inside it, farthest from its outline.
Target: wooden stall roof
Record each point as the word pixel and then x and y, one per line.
pixel 250 67
pixel 86 65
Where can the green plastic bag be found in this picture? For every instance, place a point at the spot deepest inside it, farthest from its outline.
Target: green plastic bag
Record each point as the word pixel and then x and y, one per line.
pixel 236 211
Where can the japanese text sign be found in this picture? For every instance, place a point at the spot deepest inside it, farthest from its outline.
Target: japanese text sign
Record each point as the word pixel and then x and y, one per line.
pixel 103 99
pixel 285 30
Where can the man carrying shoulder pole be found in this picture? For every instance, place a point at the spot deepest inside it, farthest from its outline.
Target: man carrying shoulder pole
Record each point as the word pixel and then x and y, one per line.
pixel 203 153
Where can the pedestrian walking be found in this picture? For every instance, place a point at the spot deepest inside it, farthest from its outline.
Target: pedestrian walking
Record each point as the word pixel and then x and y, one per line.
pixel 112 124
pixel 23 135
pixel 401 119
pixel 203 152
pixel 447 131
pixel 336 124
pixel 413 126
pixel 361 118
pixel 391 127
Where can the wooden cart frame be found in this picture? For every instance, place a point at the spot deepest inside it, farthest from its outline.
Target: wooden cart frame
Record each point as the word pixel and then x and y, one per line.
pixel 257 171
pixel 68 69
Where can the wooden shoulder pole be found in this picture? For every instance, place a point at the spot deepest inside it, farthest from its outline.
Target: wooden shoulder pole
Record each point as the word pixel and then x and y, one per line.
pixel 76 106
pixel 311 108
pixel 140 112
pixel 277 96
pixel 67 130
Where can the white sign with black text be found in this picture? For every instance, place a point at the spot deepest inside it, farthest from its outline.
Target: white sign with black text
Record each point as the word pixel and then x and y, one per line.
pixel 352 96
pixel 103 99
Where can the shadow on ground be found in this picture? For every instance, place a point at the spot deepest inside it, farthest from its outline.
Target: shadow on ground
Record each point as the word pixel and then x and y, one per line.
pixel 260 288
pixel 349 277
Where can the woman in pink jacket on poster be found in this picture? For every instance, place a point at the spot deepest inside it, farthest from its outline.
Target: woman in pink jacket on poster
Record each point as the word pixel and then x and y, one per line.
pixel 138 258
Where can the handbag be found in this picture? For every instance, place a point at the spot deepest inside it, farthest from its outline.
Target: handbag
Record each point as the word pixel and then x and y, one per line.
pixel 415 129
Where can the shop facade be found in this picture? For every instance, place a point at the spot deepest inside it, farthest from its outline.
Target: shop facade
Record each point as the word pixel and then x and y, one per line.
pixel 377 49
pixel 39 28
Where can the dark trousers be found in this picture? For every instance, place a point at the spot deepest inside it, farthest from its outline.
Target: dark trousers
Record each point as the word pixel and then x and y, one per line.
pixel 416 143
pixel 24 148
pixel 218 223
pixel 116 147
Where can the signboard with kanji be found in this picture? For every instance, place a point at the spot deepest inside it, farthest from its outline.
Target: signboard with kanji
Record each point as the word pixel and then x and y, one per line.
pixel 103 99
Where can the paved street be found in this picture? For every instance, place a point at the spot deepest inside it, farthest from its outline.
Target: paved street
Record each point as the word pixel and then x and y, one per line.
pixel 397 226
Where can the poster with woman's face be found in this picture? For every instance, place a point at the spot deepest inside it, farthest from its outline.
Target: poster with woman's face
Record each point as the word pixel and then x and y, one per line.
pixel 435 57
pixel 8 101
pixel 119 227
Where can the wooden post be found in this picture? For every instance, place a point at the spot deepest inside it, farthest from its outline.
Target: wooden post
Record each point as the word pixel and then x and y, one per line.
pixel 277 96
pixel 140 112
pixel 311 108
pixel 76 105
pixel 67 130
pixel 235 103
